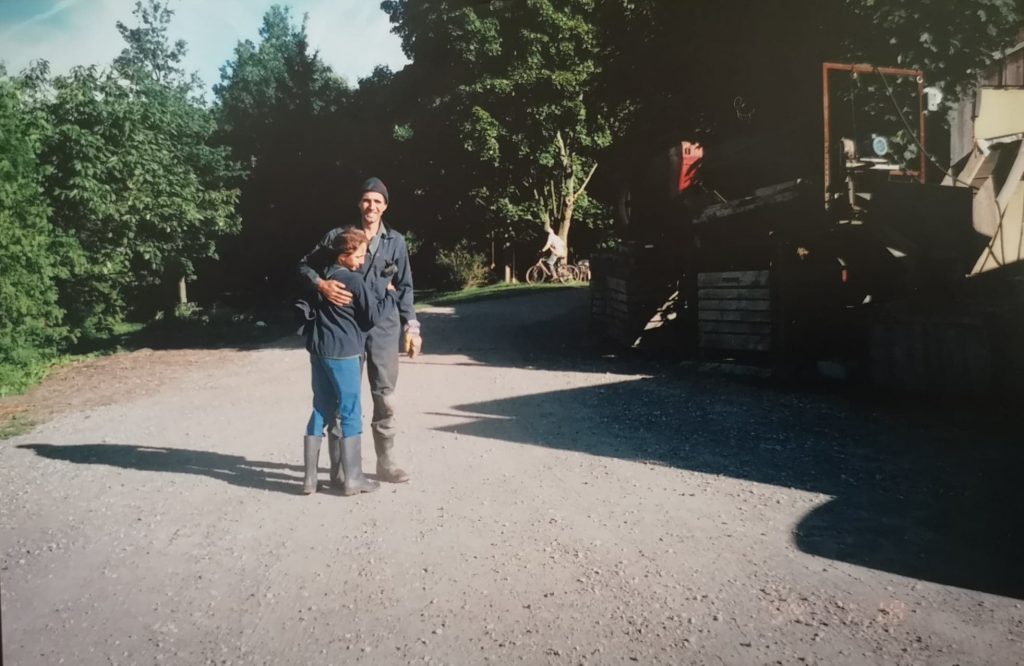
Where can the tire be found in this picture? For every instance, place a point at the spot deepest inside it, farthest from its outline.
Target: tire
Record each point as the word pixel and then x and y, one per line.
pixel 535 274
pixel 572 273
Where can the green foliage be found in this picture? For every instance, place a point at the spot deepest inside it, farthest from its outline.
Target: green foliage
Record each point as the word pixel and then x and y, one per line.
pixel 498 84
pixel 412 243
pixel 277 108
pixel 186 310
pixel 130 194
pixel 138 196
pixel 402 132
pixel 31 323
pixel 950 42
pixel 459 267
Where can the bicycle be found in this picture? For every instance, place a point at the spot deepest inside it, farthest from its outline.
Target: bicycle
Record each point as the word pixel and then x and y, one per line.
pixel 540 272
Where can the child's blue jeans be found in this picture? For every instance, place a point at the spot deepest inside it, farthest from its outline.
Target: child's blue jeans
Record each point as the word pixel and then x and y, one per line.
pixel 336 386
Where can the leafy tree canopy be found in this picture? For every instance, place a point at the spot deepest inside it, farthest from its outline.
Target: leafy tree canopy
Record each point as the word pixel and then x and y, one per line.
pixel 508 82
pixel 31 322
pixel 278 107
pixel 137 194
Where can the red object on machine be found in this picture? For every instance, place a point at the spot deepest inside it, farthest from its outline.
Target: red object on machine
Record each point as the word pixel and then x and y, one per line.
pixel 692 154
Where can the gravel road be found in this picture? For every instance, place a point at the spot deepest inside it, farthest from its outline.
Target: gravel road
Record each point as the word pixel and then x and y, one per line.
pixel 566 506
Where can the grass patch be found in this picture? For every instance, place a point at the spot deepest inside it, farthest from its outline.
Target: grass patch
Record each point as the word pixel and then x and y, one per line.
pixel 16 379
pixel 15 424
pixel 498 290
pixel 200 329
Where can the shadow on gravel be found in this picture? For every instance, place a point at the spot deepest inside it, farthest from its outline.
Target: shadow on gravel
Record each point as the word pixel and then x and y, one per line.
pixel 918 490
pixel 236 470
pixel 913 496
pixel 548 329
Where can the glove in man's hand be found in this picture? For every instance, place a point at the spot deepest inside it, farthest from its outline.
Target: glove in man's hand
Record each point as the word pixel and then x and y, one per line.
pixel 413 342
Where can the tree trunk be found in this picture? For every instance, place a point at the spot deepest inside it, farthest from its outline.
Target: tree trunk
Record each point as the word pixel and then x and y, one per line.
pixel 182 291
pixel 566 223
pixel 563 194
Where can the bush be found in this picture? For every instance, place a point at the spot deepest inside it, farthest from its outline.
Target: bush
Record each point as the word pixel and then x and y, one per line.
pixel 412 242
pixel 31 323
pixel 460 267
pixel 187 310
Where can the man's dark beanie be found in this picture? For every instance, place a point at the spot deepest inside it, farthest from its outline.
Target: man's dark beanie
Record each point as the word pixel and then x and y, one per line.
pixel 375 185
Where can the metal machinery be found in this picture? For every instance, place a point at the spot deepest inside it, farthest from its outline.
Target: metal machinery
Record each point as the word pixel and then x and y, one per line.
pixel 863 271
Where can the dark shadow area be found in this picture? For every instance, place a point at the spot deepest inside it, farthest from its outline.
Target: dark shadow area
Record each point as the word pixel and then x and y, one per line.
pixel 212 328
pixel 912 495
pixel 548 329
pixel 505 340
pixel 236 470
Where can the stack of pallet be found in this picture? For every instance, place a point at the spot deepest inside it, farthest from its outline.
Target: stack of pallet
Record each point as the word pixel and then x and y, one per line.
pixel 734 312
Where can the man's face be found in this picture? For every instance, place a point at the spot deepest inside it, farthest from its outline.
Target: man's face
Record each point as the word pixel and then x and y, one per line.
pixel 371 207
pixel 355 260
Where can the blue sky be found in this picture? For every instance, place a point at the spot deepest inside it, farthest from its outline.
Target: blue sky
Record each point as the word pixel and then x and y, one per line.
pixel 352 36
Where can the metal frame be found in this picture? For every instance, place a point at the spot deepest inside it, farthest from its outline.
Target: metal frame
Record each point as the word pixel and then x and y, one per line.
pixel 828 67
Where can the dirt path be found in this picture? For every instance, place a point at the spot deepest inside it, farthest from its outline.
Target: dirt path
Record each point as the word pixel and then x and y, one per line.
pixel 565 508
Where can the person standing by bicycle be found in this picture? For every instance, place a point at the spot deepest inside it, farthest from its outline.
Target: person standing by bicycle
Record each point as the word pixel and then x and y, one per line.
pixel 558 251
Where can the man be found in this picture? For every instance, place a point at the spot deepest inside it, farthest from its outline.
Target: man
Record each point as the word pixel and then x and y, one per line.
pixel 558 250
pixel 387 259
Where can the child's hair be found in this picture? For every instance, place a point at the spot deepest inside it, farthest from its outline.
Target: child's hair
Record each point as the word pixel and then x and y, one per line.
pixel 349 240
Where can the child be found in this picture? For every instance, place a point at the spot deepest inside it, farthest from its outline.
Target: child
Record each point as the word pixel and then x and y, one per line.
pixel 335 343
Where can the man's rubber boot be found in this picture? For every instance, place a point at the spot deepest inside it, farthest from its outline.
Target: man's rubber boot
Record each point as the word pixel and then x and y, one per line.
pixel 334 451
pixel 311 451
pixel 352 462
pixel 387 470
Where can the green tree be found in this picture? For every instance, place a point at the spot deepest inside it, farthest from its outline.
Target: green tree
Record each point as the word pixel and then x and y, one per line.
pixel 512 96
pixel 138 194
pixel 31 322
pixel 191 205
pixel 87 113
pixel 277 108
